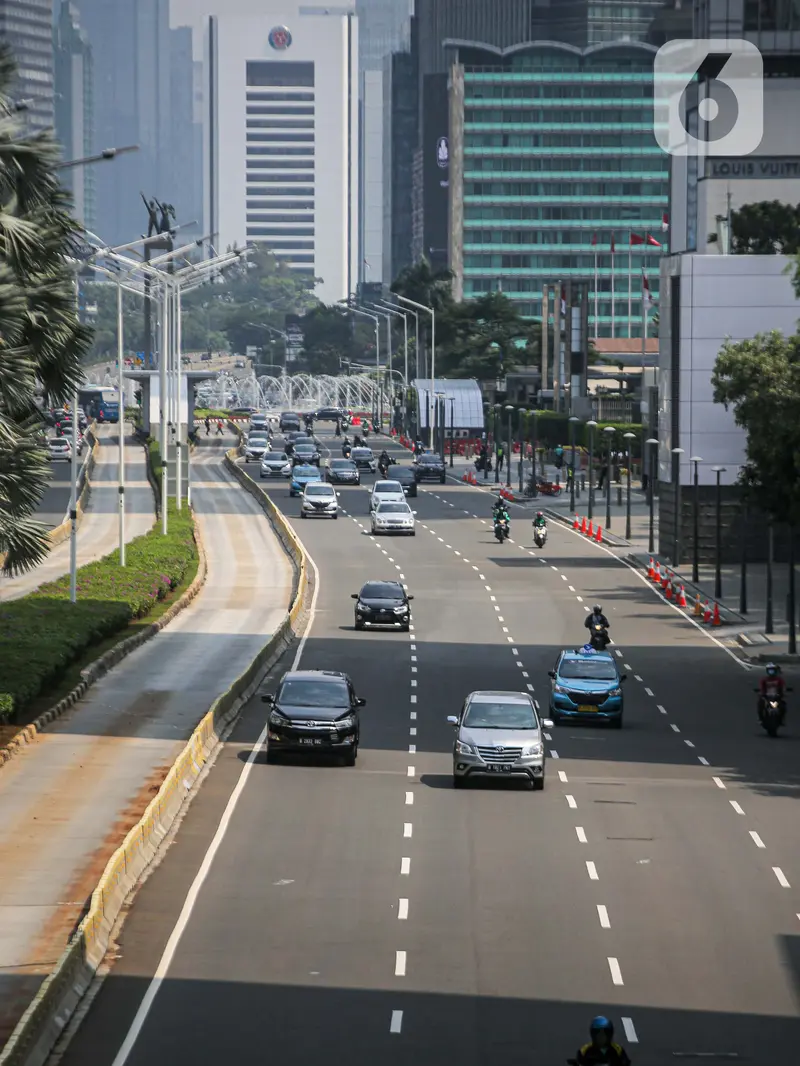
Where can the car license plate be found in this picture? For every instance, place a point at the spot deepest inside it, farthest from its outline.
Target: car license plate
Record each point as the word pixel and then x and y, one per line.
pixel 309 740
pixel 499 768
pixel 586 707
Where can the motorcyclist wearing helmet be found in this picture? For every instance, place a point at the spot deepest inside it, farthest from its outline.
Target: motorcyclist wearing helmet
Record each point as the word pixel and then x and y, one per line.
pixel 383 461
pixel 500 511
pixel 601 1048
pixel 540 522
pixel 771 684
pixel 596 617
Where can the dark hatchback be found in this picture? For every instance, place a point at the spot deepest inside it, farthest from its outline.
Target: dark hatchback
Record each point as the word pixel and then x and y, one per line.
pixel 306 452
pixel 430 467
pixel 342 472
pixel 314 712
pixel 405 475
pixel 382 603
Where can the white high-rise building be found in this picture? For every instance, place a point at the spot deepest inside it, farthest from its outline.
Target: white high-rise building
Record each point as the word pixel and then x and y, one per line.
pixel 281 141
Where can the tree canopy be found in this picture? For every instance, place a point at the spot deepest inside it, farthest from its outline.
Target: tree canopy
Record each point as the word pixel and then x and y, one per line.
pixel 765 228
pixel 760 380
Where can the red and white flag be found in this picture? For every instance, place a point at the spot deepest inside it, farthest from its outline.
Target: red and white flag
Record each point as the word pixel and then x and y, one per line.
pixel 652 241
pixel 636 239
pixel 647 296
pixel 563 301
pixel 664 223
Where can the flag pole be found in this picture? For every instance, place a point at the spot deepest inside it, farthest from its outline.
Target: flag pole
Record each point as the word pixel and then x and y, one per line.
pixel 613 331
pixel 630 283
pixel 644 322
pixel 596 320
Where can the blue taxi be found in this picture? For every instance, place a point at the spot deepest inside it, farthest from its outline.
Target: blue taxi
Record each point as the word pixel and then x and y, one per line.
pixel 586 684
pixel 301 475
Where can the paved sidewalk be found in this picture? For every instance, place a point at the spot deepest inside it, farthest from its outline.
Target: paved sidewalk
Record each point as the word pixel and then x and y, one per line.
pixel 98 531
pixel 67 800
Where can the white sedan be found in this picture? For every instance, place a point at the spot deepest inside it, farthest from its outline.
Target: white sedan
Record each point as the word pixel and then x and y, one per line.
pixel 386 492
pixel 393 517
pixel 276 464
pixel 319 501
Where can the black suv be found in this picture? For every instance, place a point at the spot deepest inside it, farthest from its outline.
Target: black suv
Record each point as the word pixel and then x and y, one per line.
pixel 430 467
pixel 382 603
pixel 329 414
pixel 405 475
pixel 314 711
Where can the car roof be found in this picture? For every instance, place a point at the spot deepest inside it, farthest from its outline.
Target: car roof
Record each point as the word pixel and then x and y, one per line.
pixel 388 481
pixel 326 486
pixel 306 470
pixel 383 581
pixel 574 654
pixel 361 451
pixel 493 695
pixel 315 675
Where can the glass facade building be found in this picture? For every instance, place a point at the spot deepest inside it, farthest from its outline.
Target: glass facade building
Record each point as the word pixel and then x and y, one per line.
pixel 27 26
pixel 557 160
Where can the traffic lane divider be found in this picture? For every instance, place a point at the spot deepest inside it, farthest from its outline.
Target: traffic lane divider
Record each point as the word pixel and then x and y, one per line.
pixel 43 1022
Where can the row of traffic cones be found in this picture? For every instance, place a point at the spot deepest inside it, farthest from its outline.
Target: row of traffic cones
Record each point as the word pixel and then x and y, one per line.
pixel 580 525
pixel 506 494
pixel 469 478
pixel 675 592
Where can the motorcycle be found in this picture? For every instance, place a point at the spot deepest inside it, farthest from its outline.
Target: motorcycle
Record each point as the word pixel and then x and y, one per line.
pixel 540 536
pixel 599 637
pixel 346 451
pixel 502 529
pixel 771 712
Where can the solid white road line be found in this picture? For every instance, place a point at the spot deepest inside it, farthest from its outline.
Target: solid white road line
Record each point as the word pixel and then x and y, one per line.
pixel 402 910
pixel 630 1032
pixel 400 964
pixel 396 1024
pixel 616 973
pixel 571 802
pixel 179 928
pixel 781 877
pixel 602 914
pixel 580 832
pixel 759 843
pixel 591 869
pixel 405 867
pixel 736 806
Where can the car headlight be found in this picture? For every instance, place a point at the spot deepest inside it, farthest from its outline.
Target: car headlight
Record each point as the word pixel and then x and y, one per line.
pixel 614 692
pixel 362 608
pixel 532 749
pixel 401 610
pixel 464 749
pixel 278 720
pixel 345 723
pixel 559 688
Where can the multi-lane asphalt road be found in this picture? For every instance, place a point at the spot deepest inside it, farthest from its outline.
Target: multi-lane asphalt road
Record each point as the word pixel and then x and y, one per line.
pixel 375 915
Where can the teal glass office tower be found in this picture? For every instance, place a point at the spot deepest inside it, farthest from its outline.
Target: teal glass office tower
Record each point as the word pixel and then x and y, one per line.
pixel 553 162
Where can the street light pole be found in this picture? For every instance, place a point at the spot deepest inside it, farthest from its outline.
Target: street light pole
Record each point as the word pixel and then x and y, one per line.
pixel 651 443
pixel 718 567
pixel 432 313
pixel 592 427
pixel 572 420
pixel 523 418
pixel 121 425
pixel 452 427
pixel 768 623
pixel 676 532
pixel 609 432
pixel 629 437
pixel 510 442
pixel 743 572
pixel 696 459
pixel 497 408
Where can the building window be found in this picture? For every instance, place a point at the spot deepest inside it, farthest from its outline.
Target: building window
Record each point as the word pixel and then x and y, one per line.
pixel 285 246
pixel 265 149
pixel 268 203
pixel 286 218
pixel 277 111
pixel 281 73
pixel 282 138
pixel 284 124
pixel 269 97
pixel 287 231
pixel 254 165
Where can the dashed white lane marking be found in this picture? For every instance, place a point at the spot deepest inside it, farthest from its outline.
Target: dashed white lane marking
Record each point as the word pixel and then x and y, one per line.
pixel 391 560
pixel 413 716
pixel 759 843
pixel 413 658
pixel 409 799
pixel 580 832
pixel 494 600
pixel 412 749
pixel 414 669
pixel 661 708
pixel 630 1032
pixel 412 731
pixel 525 673
pixel 457 552
pixel 396 1023
pixel 407 829
pixel 410 771
pixel 400 964
pixel 675 728
pixel 602 914
pixel 737 807
pixel 579 599
pixel 627 666
pixel 563 577
pixel 591 869
pixel 718 782
pixel 649 691
pixel 554 568
pixel 413 699
pixel 571 802
pixel 488 589
pixel 554 754
pixel 529 687
pixel 475 568
pixel 562 776
pixel 782 881
pixel 402 910
pixel 505 628
pixel 413 683
pixel 616 973
pixel 618 653
pixel 688 743
pixel 702 760
pixel 547 736
pixel 481 577
pixel 515 651
pixel 405 867
pixel 510 640
pixel 636 677
pixel 450 546
pixel 571 588
pixel 413 647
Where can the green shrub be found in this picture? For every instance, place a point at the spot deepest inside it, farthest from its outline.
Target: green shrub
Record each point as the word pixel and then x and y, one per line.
pixel 552 429
pixel 43 634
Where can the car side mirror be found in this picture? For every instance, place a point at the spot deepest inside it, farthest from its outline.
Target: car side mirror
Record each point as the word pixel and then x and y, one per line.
pixel 414 512
pixel 547 723
pixel 353 595
pixel 623 677
pixel 551 673
pixel 452 719
pixel 267 698
pixel 361 702
pixel 410 598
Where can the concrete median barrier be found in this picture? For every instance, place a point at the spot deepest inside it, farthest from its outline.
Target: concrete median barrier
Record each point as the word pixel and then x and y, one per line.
pixel 44 1020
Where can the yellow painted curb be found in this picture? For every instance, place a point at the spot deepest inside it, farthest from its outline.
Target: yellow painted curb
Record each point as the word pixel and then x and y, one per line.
pixel 44 1020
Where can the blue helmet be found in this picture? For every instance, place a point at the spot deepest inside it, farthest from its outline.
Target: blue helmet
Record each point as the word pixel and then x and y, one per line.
pixel 601 1024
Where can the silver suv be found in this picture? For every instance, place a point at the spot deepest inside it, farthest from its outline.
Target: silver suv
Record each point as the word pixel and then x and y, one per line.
pixel 499 734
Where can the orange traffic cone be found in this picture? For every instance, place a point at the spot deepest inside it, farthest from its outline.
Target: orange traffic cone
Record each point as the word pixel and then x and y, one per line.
pixel 669 588
pixel 650 571
pixel 583 524
pixel 706 613
pixel 698 609
pixel 599 535
pixel 716 621
pixel 657 575
pixel 576 524
pixel 589 532
pixel 665 579
pixel 681 600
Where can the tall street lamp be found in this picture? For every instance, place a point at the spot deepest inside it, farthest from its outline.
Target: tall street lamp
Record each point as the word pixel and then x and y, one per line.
pixel 743 568
pixel 592 427
pixel 452 427
pixel 718 564
pixel 676 486
pixel 523 418
pixel 696 459
pixel 768 623
pixel 629 437
pixel 376 322
pixel 509 443
pixel 609 432
pixel 572 420
pixel 100 157
pixel 651 445
pixel 432 313
pixel 408 311
pixel 498 407
pixel 400 312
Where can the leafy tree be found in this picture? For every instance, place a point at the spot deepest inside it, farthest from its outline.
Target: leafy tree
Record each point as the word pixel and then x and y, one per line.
pixel 41 341
pixel 331 337
pixel 760 379
pixel 485 338
pixel 419 282
pixel 765 228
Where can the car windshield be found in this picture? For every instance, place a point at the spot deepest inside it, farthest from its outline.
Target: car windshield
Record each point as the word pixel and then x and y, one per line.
pixel 306 471
pixel 275 457
pixel 342 464
pixel 362 453
pixel 394 508
pixel 429 459
pixel 588 669
pixel 381 590
pixel 500 715
pixel 58 441
pixel 257 438
pixel 388 486
pixel 404 474
pixel 320 490
pixel 304 446
pixel 315 693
